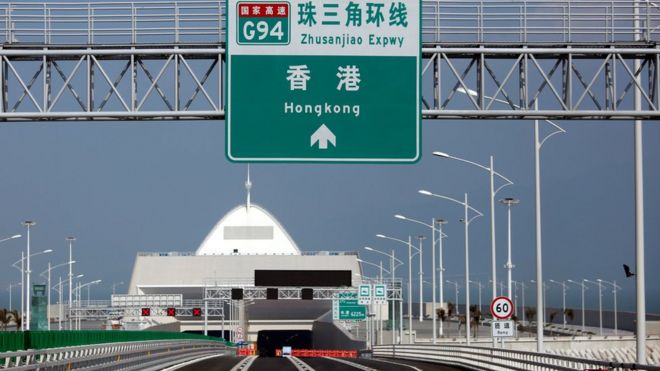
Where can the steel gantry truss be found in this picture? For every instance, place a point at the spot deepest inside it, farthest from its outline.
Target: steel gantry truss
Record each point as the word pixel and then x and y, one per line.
pixel 215 298
pixel 291 293
pixel 495 59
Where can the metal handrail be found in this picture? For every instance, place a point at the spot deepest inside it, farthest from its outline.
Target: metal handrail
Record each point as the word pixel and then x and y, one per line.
pixel 494 358
pixel 90 355
pixel 198 22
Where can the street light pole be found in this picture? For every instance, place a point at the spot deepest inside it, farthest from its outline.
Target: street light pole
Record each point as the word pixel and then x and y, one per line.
pixel 441 269
pixel 614 290
pixel 600 304
pixel 493 192
pixel 509 266
pixel 70 239
pixel 410 339
pixel 114 285
pixel 581 284
pixel 639 201
pixel 563 300
pixel 455 293
pixel 28 224
pixel 22 291
pixel 421 277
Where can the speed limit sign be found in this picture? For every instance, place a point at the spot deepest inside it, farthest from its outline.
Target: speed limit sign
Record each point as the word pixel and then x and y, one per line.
pixel 501 308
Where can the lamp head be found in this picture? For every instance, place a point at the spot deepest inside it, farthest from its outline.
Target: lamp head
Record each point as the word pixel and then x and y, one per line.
pixel 47 251
pixel 441 221
pixel 16 236
pixel 441 154
pixel 70 238
pixel 424 192
pixel 400 217
pixel 509 201
pixel 381 236
pixel 468 92
pixel 29 223
pixel 368 248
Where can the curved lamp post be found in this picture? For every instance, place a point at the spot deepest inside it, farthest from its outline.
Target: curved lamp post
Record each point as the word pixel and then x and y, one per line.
pixel 563 298
pixel 46 274
pixel 615 288
pixel 70 239
pixel 59 288
pixel 582 285
pixel 467 220
pixel 491 170
pixel 28 224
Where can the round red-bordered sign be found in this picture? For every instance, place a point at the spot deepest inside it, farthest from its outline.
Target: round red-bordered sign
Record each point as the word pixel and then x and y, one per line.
pixel 501 307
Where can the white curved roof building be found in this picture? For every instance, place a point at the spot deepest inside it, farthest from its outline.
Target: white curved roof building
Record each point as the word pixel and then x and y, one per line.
pixel 248 230
pixel 245 240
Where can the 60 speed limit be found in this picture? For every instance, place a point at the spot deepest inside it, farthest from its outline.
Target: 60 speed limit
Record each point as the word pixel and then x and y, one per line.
pixel 501 308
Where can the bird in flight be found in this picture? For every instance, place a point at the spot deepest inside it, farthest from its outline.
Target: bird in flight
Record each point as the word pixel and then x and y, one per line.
pixel 626 269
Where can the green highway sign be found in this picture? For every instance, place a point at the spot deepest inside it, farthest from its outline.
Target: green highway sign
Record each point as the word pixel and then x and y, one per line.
pixel 346 307
pixel 323 81
pixel 380 294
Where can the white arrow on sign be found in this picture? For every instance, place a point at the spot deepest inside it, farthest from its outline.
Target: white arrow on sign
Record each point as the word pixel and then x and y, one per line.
pixel 323 135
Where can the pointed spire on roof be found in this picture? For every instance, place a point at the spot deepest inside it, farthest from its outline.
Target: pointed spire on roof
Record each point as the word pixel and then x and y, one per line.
pixel 248 187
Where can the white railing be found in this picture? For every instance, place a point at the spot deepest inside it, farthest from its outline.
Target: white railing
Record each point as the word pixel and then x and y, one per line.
pixel 129 355
pixel 483 358
pixel 202 22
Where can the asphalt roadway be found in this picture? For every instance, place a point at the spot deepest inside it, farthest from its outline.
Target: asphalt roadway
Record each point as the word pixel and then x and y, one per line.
pixel 228 362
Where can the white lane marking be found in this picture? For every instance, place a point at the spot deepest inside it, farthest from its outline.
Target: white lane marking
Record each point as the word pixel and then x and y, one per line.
pixel 299 364
pixel 352 364
pixel 188 363
pixel 396 363
pixel 244 364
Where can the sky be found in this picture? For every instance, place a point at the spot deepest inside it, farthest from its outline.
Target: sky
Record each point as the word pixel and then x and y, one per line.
pixel 120 188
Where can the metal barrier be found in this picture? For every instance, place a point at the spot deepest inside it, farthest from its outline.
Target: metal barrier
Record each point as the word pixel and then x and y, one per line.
pixel 201 22
pixel 134 355
pixel 482 358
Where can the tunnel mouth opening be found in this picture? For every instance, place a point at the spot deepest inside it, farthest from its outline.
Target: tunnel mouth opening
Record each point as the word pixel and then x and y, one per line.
pixel 269 340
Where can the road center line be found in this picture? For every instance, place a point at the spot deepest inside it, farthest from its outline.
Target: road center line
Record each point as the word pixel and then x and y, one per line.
pixel 300 365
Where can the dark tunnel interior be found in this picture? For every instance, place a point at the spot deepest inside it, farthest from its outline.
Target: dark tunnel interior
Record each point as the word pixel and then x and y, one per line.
pixel 268 341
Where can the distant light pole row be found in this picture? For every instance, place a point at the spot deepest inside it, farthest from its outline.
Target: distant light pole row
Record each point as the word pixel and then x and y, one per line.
pixel 439 222
pixel 410 247
pixel 392 273
pixel 466 220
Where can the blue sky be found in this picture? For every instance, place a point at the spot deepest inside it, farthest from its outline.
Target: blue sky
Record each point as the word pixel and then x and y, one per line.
pixel 121 188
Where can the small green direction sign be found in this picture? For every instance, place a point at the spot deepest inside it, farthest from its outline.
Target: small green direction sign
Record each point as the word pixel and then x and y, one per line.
pixel 346 307
pixel 380 294
pixel 364 294
pixel 323 81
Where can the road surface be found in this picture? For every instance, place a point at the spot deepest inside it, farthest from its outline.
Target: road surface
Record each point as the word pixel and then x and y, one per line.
pixel 228 363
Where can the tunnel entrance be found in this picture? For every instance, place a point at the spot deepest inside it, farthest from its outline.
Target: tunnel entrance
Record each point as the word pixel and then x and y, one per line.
pixel 269 340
